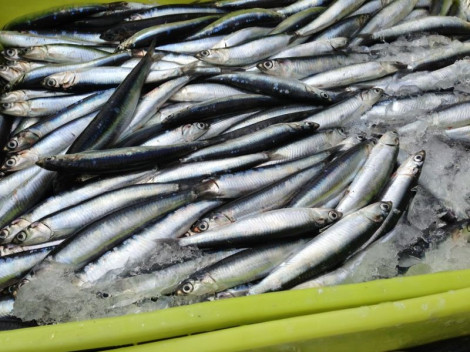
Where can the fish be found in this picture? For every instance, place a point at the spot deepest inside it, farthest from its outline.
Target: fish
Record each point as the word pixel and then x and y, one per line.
pixel 267 226
pixel 325 251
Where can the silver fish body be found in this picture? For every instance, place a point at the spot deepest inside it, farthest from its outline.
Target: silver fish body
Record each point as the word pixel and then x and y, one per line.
pixel 326 250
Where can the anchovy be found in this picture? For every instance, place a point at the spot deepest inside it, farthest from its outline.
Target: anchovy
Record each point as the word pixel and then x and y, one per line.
pixel 246 53
pixel 136 248
pixel 54 143
pixel 347 27
pixel 186 133
pixel 239 268
pixel 9 74
pixel 333 179
pixel 35 76
pixel 14 180
pixel 25 196
pixel 63 53
pixel 192 47
pixel 118 159
pixel 297 20
pixel 353 74
pixel 95 239
pixel 246 4
pixel 237 184
pixel 30 135
pixel 321 144
pixel 452 116
pixel 203 91
pixel 258 141
pixel 386 17
pixel 165 33
pixel 23 95
pixel 125 29
pixel 274 196
pixel 207 168
pixel 242 36
pixel 41 106
pixel 326 250
pixel 135 288
pixel 151 102
pixel 306 66
pixel 302 5
pixel 117 112
pixel 237 20
pixel 14 267
pixel 262 227
pixel 332 14
pixel 63 223
pixel 346 110
pixel 438 24
pixel 218 126
pixel 66 199
pixel 437 58
pixel 165 10
pixel 19 39
pixel 373 175
pixel 58 16
pixel 275 86
pixel 270 113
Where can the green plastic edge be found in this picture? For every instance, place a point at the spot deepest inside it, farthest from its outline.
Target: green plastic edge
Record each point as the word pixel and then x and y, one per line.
pixel 381 327
pixel 208 316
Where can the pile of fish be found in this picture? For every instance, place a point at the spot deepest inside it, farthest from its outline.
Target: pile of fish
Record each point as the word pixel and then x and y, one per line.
pixel 154 156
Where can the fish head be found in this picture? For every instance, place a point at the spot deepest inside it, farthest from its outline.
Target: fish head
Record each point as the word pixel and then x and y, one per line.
pixel 21 141
pixel 63 80
pixel 12 97
pixel 390 138
pixel 377 212
pixel 323 95
pixel 35 233
pixel 9 232
pixel 12 53
pixel 9 74
pixel 413 164
pixel 269 66
pixel 213 55
pixel 194 131
pixel 371 95
pixel 35 53
pixel 197 286
pixel 325 216
pixel 17 109
pixel 24 158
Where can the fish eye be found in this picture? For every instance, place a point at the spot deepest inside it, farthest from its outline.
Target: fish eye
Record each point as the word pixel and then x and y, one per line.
pixel 11 52
pixel 3 68
pixel 333 215
pixel 10 162
pixel 187 288
pixel 205 53
pixel 49 158
pixel 268 64
pixel 418 158
pixel 203 225
pixel 324 95
pixel 384 207
pixel 201 125
pixel 12 144
pixel 7 105
pixel 377 90
pixel 51 82
pixel 21 237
